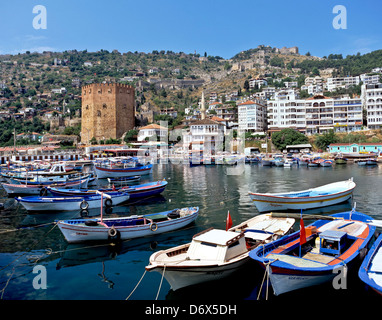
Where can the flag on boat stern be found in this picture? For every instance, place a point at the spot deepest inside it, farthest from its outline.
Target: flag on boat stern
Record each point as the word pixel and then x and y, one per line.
pixel 302 231
pixel 228 222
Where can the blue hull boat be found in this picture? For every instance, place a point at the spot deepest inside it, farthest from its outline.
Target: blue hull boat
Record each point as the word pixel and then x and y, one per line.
pixel 138 191
pixel 370 271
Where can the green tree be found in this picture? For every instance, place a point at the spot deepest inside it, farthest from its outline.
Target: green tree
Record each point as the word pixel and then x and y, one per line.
pixel 246 85
pixel 287 137
pixel 324 140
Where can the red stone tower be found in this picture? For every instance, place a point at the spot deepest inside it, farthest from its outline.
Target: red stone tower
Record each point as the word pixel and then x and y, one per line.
pixel 108 111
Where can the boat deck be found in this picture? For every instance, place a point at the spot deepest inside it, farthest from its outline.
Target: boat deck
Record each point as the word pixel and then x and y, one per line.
pixel 313 258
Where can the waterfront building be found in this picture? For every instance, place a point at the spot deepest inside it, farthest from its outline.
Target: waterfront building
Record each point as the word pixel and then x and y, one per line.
pixel 372 97
pixel 205 136
pixel 317 114
pixel 286 111
pixel 355 147
pixel 252 116
pixel 152 130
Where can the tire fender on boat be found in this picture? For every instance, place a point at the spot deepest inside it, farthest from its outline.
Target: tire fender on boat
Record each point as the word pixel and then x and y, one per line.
pixel 108 202
pixel 43 192
pixel 84 213
pixel 84 205
pixel 153 226
pixel 113 234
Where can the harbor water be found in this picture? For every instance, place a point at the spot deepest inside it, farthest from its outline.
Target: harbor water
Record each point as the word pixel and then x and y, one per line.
pixel 31 243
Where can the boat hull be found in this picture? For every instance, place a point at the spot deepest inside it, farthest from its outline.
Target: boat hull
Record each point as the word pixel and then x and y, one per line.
pixel 37 189
pixel 103 173
pixel 370 271
pixel 79 233
pixel 183 277
pixel 136 192
pixel 283 282
pixel 289 272
pixel 67 203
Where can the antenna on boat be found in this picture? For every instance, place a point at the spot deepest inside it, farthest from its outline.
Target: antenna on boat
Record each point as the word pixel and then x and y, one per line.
pixel 353 210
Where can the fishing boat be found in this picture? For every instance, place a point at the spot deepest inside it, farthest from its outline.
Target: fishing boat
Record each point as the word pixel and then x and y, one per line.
pixel 326 163
pixel 340 159
pixel 214 254
pixel 315 254
pixel 39 189
pixel 370 271
pixel 371 162
pixel 278 161
pixel 37 203
pixel 114 168
pixel 322 196
pixel 138 191
pixel 123 228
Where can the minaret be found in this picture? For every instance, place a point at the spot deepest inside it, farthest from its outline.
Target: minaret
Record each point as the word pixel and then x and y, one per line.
pixel 202 108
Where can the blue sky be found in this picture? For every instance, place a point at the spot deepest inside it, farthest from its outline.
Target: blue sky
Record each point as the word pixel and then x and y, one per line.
pixel 220 28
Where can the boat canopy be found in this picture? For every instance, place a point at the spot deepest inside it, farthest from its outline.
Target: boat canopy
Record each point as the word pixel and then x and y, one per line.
pixel 217 245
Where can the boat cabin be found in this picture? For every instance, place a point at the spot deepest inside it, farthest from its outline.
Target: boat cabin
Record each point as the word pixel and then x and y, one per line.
pixel 216 245
pixel 332 242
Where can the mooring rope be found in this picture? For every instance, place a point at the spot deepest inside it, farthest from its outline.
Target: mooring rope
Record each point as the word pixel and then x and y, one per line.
pixel 160 285
pixel 136 286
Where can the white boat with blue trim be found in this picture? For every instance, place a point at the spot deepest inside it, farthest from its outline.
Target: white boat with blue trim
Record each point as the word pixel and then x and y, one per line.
pixel 37 203
pixel 115 168
pixel 322 196
pixel 123 228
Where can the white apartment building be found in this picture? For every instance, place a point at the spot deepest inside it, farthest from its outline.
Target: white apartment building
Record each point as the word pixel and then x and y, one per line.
pixel 343 82
pixel 290 84
pixel 151 131
pixel 286 111
pixel 372 97
pixel 317 114
pixel 204 136
pixel 370 78
pixel 253 83
pixel 252 116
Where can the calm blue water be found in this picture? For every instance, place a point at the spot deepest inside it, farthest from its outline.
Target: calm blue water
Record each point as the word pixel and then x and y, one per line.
pixel 98 271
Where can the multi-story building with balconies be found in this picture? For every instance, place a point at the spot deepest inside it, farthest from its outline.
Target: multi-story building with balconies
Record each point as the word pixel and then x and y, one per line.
pixel 372 96
pixel 317 114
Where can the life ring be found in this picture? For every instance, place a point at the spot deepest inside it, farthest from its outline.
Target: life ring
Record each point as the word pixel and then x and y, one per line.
pixel 84 205
pixel 153 226
pixel 84 213
pixel 108 202
pixel 43 192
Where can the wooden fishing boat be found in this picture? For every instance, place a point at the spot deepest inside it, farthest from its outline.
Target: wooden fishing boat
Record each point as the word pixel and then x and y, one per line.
pixel 37 203
pixel 116 169
pixel 214 254
pixel 39 189
pixel 322 196
pixel 123 228
pixel 314 255
pixel 138 191
pixel 370 271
